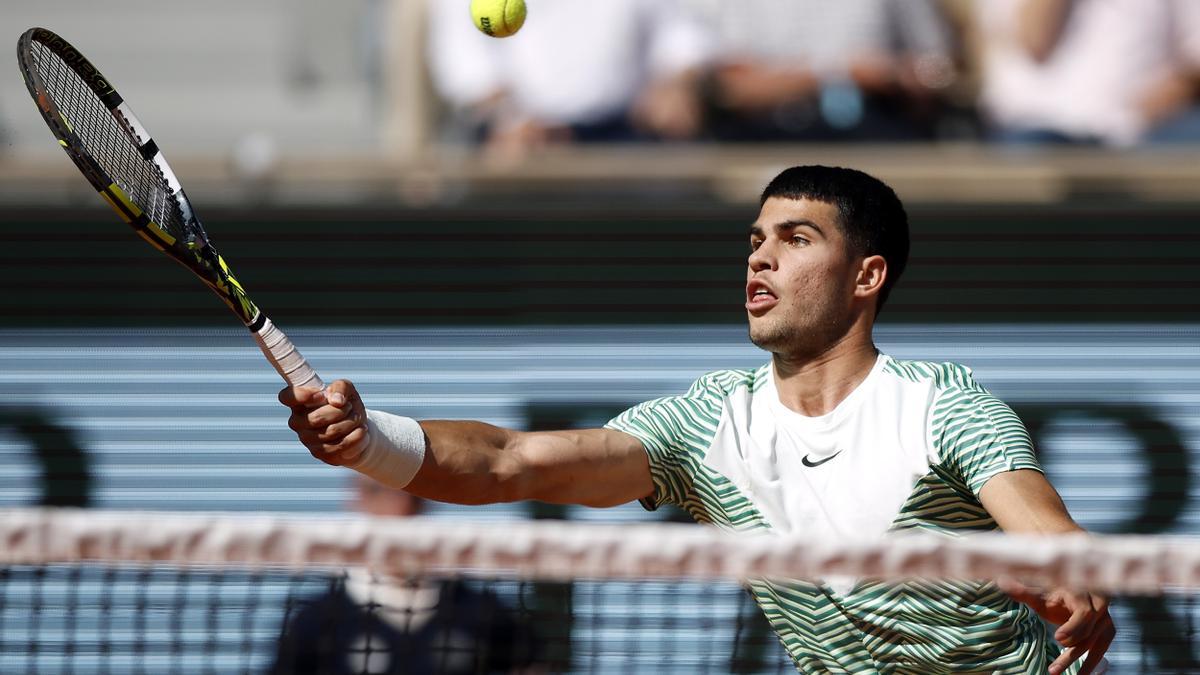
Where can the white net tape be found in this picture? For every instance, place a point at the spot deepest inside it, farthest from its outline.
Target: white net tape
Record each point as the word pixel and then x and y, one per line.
pixel 565 550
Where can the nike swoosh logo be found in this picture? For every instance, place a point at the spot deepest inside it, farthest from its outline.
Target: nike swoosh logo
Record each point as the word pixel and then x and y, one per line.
pixel 806 462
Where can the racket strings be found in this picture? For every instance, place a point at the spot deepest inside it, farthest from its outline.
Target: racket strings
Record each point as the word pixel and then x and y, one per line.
pixel 104 138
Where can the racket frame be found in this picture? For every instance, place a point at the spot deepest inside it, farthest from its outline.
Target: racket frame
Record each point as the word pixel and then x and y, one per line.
pixel 197 254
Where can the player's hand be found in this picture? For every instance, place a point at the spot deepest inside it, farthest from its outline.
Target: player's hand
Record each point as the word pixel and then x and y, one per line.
pixel 1084 624
pixel 331 423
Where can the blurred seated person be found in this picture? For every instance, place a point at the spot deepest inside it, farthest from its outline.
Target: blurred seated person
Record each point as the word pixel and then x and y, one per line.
pixel 813 70
pixel 366 624
pixel 578 71
pixel 1092 72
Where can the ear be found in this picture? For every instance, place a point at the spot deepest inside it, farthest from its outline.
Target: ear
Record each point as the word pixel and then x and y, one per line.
pixel 872 272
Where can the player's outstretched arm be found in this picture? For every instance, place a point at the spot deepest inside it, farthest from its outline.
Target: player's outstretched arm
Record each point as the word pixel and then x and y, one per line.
pixel 473 462
pixel 1023 501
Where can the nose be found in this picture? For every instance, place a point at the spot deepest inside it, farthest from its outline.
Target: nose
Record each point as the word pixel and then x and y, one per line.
pixel 761 258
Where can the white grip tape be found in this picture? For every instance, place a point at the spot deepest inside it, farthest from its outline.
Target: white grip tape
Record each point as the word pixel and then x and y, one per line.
pixel 284 356
pixel 395 449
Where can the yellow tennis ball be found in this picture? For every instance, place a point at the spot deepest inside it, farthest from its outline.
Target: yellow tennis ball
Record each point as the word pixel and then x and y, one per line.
pixel 498 18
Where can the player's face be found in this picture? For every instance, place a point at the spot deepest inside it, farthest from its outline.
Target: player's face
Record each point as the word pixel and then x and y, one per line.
pixel 800 278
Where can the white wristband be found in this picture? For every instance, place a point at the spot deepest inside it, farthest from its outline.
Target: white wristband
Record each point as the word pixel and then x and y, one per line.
pixel 395 449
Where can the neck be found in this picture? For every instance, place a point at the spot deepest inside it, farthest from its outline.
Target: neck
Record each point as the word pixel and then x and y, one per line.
pixel 815 385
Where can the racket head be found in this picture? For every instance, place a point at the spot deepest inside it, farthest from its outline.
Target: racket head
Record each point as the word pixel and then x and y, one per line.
pixel 112 149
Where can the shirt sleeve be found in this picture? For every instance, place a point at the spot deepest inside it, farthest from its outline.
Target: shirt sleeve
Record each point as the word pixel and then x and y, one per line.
pixel 676 432
pixel 977 436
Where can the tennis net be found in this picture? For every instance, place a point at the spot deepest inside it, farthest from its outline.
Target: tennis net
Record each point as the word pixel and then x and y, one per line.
pixel 130 592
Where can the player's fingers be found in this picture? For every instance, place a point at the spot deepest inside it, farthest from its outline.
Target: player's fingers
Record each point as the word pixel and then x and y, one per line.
pixel 349 448
pixel 327 458
pixel 298 422
pixel 1096 650
pixel 346 451
pixel 302 419
pixel 311 440
pixel 301 397
pixel 1022 593
pixel 341 392
pixel 287 396
pixel 1077 628
pixel 1066 658
pixel 327 415
pixel 336 432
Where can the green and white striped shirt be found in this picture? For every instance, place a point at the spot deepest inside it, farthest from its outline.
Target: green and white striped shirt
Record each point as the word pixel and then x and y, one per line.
pixel 909 448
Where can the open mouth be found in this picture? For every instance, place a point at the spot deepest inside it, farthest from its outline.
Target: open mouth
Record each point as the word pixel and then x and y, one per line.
pixel 759 296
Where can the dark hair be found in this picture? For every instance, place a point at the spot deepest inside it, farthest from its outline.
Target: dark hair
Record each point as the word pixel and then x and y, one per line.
pixel 870 214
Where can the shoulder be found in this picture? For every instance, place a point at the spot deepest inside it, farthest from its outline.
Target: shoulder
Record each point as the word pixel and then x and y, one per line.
pixel 690 418
pixel 955 395
pixel 942 375
pixel 721 383
pixel 712 391
pixel 706 396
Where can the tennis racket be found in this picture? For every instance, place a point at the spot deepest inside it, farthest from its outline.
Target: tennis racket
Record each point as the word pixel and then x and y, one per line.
pixel 112 149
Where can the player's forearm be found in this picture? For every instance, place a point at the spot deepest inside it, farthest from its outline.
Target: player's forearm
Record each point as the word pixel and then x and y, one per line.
pixel 467 463
pixel 457 462
pixel 477 463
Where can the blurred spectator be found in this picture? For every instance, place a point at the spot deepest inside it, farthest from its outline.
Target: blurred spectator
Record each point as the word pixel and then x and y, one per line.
pixel 371 624
pixel 1112 72
pixel 863 70
pixel 579 70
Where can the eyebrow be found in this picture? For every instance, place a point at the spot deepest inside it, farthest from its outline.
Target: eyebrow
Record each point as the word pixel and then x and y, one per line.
pixel 787 225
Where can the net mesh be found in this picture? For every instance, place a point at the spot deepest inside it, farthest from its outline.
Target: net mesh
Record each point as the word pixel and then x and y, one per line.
pixel 107 140
pixel 90 618
pixel 109 592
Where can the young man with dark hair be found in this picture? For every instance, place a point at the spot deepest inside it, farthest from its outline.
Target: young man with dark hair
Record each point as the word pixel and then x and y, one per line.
pixel 829 439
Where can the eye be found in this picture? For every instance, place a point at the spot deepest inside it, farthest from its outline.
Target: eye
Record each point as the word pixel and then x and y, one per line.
pixel 798 240
pixel 755 242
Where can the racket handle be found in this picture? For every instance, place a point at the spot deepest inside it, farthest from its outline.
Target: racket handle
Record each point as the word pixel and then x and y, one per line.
pixel 283 355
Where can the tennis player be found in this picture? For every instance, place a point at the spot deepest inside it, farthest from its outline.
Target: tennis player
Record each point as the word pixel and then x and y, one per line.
pixel 829 438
